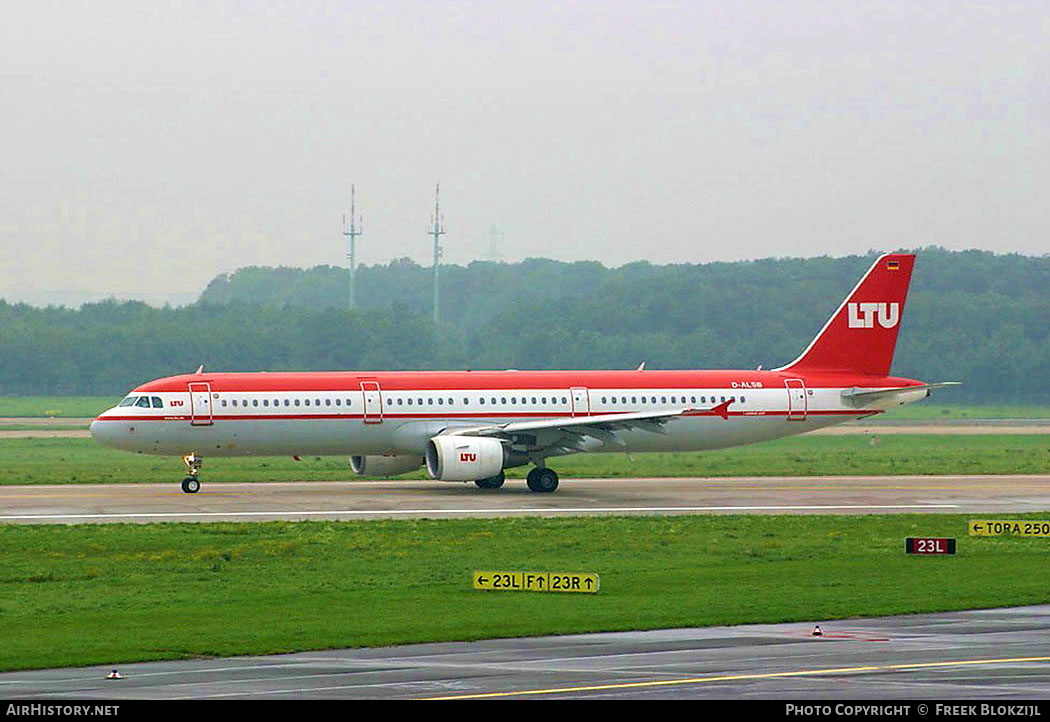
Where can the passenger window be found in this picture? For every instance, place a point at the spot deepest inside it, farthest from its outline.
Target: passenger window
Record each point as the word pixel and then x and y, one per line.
pixel 286 402
pixel 465 401
pixel 224 402
pixel 327 402
pixel 157 403
pixel 400 402
pixel 266 402
pixel 306 402
pixel 339 402
pixel 430 402
pixel 297 402
pixel 234 402
pixel 564 400
pixel 441 401
pixel 482 400
pixel 255 402
pixel 410 402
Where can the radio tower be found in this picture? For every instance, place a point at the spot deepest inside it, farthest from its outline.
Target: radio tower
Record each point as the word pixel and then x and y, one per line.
pixel 437 229
pixel 352 231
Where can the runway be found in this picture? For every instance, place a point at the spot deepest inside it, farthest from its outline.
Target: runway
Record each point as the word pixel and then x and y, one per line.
pixel 998 654
pixel 145 503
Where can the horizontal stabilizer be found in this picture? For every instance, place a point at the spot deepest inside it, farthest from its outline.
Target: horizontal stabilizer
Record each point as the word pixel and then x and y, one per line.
pixel 859 396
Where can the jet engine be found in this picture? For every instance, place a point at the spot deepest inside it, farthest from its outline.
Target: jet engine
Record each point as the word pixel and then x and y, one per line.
pixel 464 458
pixel 384 465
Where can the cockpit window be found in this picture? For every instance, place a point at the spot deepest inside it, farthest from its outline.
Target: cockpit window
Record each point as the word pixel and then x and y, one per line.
pixel 157 403
pixel 143 402
pixel 129 401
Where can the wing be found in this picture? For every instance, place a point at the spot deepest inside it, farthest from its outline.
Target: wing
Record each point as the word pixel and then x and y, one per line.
pixel 567 435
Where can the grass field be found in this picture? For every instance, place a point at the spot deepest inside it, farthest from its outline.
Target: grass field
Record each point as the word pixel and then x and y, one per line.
pixel 82 461
pixel 68 406
pixel 91 406
pixel 103 594
pixel 924 411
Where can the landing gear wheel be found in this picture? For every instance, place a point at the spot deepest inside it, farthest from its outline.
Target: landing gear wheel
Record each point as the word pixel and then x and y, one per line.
pixel 493 482
pixel 542 480
pixel 193 462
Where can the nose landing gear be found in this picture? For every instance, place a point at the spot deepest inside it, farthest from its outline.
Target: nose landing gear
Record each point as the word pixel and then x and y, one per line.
pixel 191 485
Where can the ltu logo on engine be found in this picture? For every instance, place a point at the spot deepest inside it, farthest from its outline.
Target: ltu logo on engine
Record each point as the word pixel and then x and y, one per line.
pixel 464 456
pixel 863 315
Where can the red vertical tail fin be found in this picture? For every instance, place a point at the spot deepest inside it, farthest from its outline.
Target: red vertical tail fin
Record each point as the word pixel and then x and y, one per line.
pixel 861 335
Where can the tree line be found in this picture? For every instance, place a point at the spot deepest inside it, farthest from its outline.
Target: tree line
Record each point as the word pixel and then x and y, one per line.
pixel 973 316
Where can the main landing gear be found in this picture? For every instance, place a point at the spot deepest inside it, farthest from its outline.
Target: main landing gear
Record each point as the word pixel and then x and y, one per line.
pixel 493 482
pixel 542 480
pixel 191 485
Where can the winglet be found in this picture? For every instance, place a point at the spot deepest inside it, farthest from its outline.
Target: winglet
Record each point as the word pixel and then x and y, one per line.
pixel 721 410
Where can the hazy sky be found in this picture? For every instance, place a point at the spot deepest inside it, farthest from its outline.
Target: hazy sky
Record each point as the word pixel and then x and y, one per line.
pixel 148 146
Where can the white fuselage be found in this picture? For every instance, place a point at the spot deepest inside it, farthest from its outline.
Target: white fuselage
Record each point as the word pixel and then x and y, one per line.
pixel 380 421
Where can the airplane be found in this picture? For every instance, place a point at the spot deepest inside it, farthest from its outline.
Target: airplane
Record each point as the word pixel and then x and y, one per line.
pixel 468 426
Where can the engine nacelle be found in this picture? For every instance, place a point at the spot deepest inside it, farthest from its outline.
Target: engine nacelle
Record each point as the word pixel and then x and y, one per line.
pixel 463 458
pixel 384 465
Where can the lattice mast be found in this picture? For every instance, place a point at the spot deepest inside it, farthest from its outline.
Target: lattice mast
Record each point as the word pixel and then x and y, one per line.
pixel 352 231
pixel 437 229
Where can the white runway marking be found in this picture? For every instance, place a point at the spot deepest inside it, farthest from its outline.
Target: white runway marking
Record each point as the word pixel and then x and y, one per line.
pixel 501 511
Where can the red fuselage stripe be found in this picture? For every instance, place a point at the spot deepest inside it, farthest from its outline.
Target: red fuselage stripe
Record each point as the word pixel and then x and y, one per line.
pixel 389 415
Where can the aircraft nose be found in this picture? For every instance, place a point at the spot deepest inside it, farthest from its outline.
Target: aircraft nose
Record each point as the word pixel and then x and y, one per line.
pixel 102 431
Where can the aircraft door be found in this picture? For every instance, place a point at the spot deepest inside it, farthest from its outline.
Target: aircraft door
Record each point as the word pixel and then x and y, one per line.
pixel 798 403
pixel 581 402
pixel 373 402
pixel 200 404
